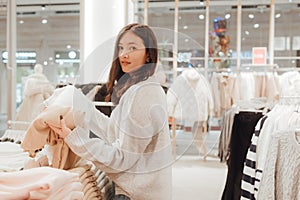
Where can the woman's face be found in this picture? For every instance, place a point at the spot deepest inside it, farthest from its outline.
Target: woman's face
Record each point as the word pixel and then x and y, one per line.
pixel 132 52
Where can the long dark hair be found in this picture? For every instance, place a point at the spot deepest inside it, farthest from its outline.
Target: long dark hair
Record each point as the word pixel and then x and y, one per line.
pixel 119 81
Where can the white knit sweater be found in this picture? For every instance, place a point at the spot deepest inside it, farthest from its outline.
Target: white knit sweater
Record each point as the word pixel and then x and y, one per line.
pixel 136 149
pixel 280 178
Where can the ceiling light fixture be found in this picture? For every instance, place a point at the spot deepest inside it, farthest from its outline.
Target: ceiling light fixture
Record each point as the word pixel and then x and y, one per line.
pixel 277 15
pixel 72 54
pixel 44 21
pixel 201 16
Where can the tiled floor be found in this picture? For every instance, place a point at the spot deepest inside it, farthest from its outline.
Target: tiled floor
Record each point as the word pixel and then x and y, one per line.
pixel 195 179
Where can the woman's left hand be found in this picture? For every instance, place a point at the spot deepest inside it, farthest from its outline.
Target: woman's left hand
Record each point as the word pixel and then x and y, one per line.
pixel 63 131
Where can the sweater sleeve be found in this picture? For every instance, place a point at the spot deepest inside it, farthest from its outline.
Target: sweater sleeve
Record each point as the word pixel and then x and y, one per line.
pixel 143 119
pixel 98 124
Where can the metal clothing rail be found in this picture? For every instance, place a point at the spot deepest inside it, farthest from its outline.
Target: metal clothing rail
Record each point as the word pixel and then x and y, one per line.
pixel 289 100
pixel 249 68
pixel 103 103
pixel 11 122
pixel 17 125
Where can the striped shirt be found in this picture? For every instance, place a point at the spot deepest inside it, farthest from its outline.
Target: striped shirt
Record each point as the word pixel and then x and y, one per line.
pixel 249 182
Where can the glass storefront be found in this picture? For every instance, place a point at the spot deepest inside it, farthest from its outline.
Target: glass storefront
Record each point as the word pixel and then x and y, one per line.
pixel 225 35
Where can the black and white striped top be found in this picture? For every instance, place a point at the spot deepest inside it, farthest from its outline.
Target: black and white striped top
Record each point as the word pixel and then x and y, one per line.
pixel 249 180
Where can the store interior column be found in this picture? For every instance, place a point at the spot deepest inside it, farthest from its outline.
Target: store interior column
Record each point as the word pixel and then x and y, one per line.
pixel 100 23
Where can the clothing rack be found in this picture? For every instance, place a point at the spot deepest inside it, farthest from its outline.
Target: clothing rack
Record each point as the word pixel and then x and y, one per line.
pixel 289 100
pixel 248 67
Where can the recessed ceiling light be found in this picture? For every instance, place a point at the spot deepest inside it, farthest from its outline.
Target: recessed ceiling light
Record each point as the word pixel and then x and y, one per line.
pixel 44 21
pixel 256 25
pixel 21 21
pixel 68 46
pixel 247 32
pixel 227 16
pixel 185 27
pixel 251 16
pixel 201 16
pixel 277 15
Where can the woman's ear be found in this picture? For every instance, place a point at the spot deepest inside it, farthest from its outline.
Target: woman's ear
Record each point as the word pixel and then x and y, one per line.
pixel 147 59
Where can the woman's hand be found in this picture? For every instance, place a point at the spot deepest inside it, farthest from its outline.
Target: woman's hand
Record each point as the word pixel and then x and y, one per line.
pixel 63 131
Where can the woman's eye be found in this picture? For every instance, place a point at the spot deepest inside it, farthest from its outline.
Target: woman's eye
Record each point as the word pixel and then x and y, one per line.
pixel 121 48
pixel 132 48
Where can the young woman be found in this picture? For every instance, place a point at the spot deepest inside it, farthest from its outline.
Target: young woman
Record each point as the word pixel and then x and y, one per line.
pixel 136 153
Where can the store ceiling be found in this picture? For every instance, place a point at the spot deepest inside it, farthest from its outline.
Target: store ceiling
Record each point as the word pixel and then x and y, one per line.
pixel 61 29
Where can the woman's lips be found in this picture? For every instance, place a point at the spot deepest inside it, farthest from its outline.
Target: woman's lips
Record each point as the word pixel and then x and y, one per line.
pixel 125 62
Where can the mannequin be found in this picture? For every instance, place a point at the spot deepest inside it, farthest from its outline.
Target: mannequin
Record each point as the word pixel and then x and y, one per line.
pixel 37 89
pixel 190 102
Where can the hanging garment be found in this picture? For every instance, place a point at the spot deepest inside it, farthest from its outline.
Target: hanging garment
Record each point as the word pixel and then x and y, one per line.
pixel 190 98
pixel 280 178
pixel 243 127
pixel 249 171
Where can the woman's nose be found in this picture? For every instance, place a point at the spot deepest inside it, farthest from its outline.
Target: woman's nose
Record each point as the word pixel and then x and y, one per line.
pixel 124 55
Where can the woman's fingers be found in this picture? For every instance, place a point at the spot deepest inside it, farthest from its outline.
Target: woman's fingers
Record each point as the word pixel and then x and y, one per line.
pixel 64 129
pixel 62 121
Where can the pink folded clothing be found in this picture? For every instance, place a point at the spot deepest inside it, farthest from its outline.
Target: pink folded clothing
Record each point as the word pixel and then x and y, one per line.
pixel 38 183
